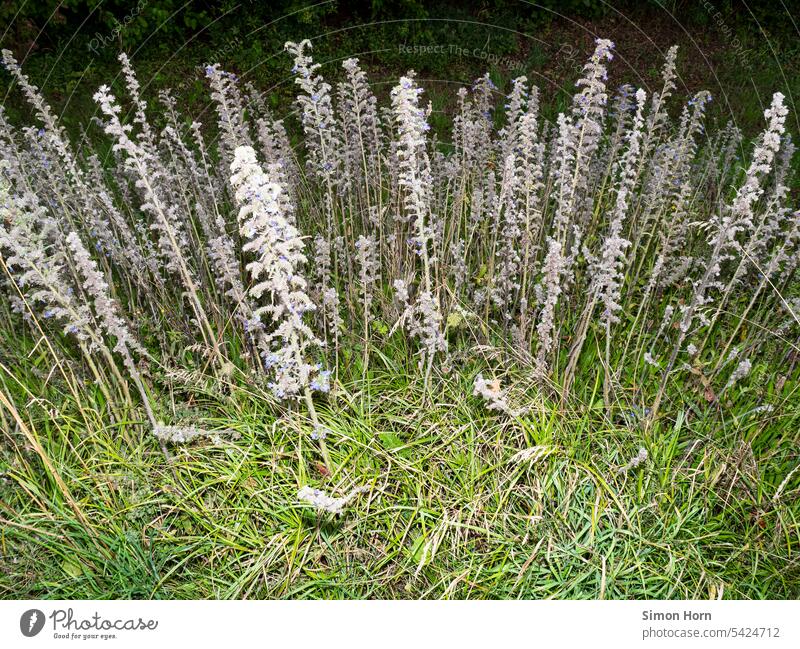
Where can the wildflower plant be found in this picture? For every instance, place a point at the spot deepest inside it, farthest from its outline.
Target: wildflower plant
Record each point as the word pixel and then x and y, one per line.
pixel 322 502
pixel 276 273
pixel 415 180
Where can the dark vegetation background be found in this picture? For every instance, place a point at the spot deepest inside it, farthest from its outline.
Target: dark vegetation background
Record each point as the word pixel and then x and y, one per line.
pixel 742 51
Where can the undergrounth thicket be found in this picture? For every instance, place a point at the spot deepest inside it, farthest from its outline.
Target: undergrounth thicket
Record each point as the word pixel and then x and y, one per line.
pixel 343 355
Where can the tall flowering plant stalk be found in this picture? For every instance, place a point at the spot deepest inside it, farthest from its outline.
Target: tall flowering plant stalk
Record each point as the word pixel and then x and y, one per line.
pixel 531 155
pixel 323 139
pixel 580 135
pixel 276 272
pixel 108 314
pixel 415 181
pixel 549 289
pixel 369 269
pixel 319 120
pixel 361 131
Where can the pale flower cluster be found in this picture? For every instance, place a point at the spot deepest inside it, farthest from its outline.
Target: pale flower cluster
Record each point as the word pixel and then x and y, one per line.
pixel 491 393
pixel 321 501
pixel 276 273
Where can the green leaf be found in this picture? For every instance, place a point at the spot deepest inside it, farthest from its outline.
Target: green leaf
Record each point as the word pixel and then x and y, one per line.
pixel 454 320
pixel 72 568
pixel 390 440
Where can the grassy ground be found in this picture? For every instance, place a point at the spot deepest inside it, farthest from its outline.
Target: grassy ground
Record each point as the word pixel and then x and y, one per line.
pixel 91 509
